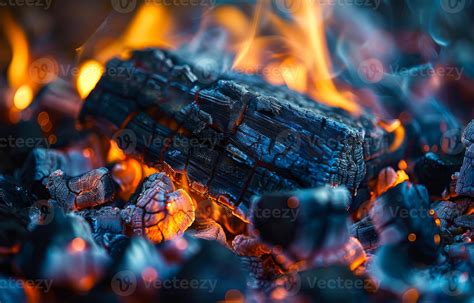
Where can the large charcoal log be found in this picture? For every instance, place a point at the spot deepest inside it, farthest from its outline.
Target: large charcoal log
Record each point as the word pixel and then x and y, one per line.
pixel 234 135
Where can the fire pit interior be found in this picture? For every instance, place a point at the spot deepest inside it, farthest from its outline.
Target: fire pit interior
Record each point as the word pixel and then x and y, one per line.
pixel 236 151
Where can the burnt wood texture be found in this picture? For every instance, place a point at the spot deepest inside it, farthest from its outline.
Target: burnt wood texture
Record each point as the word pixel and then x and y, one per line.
pixel 232 135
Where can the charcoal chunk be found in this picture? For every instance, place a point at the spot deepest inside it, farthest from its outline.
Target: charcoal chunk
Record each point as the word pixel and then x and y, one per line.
pixel 434 171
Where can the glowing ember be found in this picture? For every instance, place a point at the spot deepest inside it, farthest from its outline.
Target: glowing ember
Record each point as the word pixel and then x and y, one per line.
pixel 23 97
pixel 89 74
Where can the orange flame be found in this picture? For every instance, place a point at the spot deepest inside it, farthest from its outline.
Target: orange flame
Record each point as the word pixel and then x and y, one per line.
pixel 18 69
pixel 305 65
pixel 398 131
pixel 148 28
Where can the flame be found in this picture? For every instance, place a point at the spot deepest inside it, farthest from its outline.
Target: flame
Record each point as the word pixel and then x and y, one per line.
pixel 89 74
pixel 305 64
pixel 23 97
pixel 18 69
pixel 148 28
pixel 398 131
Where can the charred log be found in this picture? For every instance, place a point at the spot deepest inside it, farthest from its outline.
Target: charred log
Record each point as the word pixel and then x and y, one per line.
pixel 234 136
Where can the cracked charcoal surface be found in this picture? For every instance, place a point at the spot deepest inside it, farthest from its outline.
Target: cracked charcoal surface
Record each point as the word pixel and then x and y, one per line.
pixel 254 137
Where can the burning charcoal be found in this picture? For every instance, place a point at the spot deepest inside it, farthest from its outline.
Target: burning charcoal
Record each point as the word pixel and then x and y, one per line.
pixel 14 201
pixel 468 135
pixel 363 195
pixel 264 264
pixel 303 223
pixel 465 185
pixel 208 229
pixel 214 283
pixel 389 178
pixel 329 284
pixel 364 231
pixel 159 211
pixel 247 132
pixel 107 226
pixel 13 195
pixel 401 217
pixel 435 171
pixel 461 251
pixel 446 211
pixel 135 269
pixel 63 253
pixel 466 221
pixel 450 191
pixel 89 190
pixel 43 162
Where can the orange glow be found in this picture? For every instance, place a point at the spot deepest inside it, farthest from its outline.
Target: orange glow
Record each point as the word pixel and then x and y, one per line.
pixel 248 43
pixel 86 283
pixel 78 245
pixel 412 237
pixel 128 174
pixel 234 296
pixel 149 28
pixel 17 71
pixel 23 97
pixel 398 131
pixel 115 153
pixel 410 296
pixel 470 211
pixel 300 51
pixel 402 165
pixel 437 239
pixel 89 74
